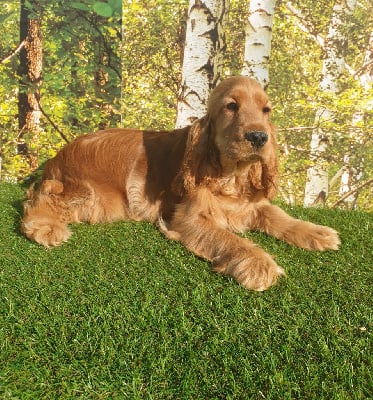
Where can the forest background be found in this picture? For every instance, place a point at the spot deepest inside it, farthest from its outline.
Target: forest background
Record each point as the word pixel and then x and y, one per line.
pixel 119 63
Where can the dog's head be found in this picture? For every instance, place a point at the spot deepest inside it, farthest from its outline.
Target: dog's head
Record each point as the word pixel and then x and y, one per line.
pixel 236 134
pixel 239 110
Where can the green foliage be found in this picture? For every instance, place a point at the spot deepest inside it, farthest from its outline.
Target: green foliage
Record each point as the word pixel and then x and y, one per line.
pixel 101 8
pixel 80 91
pixel 153 39
pixel 295 71
pixel 119 312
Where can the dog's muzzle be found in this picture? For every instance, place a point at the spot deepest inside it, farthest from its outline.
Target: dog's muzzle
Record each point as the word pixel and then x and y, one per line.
pixel 257 138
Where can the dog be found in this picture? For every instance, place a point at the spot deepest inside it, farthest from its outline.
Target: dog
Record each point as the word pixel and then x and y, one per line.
pixel 201 185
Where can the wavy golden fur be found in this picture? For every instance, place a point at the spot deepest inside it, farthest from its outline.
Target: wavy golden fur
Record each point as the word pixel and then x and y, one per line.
pixel 201 184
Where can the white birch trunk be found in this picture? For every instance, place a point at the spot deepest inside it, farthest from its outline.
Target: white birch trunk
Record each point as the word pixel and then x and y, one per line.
pixel 202 63
pixel 258 37
pixel 352 174
pixel 316 189
pixel 290 198
pixel 307 26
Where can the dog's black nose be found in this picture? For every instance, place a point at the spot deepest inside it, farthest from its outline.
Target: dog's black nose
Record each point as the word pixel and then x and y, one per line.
pixel 256 138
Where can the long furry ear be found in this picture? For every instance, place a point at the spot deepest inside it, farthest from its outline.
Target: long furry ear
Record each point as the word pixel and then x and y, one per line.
pixel 270 177
pixel 196 148
pixel 255 175
pixel 264 175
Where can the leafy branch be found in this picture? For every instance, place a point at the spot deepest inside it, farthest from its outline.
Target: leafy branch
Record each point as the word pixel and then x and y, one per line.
pixel 352 191
pixel 51 122
pixel 13 52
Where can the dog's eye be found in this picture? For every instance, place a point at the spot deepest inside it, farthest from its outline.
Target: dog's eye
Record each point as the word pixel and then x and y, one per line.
pixel 266 110
pixel 232 106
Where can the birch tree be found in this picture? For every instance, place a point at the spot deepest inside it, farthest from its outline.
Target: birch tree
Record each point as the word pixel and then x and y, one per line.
pixel 351 174
pixel 316 190
pixel 258 35
pixel 355 136
pixel 203 58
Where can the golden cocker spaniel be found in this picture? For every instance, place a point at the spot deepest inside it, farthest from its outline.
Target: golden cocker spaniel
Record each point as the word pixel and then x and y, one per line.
pixel 201 184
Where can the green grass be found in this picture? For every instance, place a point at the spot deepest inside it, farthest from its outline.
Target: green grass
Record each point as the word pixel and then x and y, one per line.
pixel 119 312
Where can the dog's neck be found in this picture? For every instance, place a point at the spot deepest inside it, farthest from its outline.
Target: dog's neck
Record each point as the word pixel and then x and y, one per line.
pixel 238 179
pixel 231 182
pixel 230 168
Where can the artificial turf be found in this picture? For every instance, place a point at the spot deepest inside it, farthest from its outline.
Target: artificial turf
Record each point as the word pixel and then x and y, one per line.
pixel 119 312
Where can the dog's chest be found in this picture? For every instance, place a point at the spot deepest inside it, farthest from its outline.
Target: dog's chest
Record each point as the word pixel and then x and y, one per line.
pixel 235 186
pixel 233 200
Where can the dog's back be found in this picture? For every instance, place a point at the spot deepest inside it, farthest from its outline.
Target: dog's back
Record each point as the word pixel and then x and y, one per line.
pixel 110 175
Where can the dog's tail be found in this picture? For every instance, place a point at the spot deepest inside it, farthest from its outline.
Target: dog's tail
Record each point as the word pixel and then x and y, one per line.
pixel 45 218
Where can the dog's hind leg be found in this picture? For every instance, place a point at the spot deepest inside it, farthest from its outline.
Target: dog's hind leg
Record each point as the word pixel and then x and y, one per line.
pixel 46 214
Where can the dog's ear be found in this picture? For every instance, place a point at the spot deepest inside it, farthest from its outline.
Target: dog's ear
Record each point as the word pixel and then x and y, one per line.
pixel 198 157
pixel 264 175
pixel 270 177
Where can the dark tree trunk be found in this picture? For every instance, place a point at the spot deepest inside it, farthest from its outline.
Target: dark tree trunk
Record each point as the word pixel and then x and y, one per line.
pixel 30 73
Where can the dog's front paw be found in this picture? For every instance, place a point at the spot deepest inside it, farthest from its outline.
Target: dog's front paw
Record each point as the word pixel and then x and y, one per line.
pixel 325 238
pixel 318 237
pixel 310 236
pixel 258 271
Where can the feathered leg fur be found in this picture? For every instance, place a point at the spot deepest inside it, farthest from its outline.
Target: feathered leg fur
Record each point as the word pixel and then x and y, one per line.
pixel 45 215
pixel 275 222
pixel 195 226
pixel 49 210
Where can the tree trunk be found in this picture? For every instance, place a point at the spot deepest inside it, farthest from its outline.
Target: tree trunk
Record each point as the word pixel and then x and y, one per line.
pixel 316 190
pixel 30 73
pixel 203 58
pixel 352 173
pixel 258 40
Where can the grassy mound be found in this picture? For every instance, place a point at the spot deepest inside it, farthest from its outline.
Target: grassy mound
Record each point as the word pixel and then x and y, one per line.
pixel 119 312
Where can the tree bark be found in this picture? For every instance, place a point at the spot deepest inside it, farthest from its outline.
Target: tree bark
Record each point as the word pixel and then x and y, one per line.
pixel 352 173
pixel 203 58
pixel 258 40
pixel 30 73
pixel 316 190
